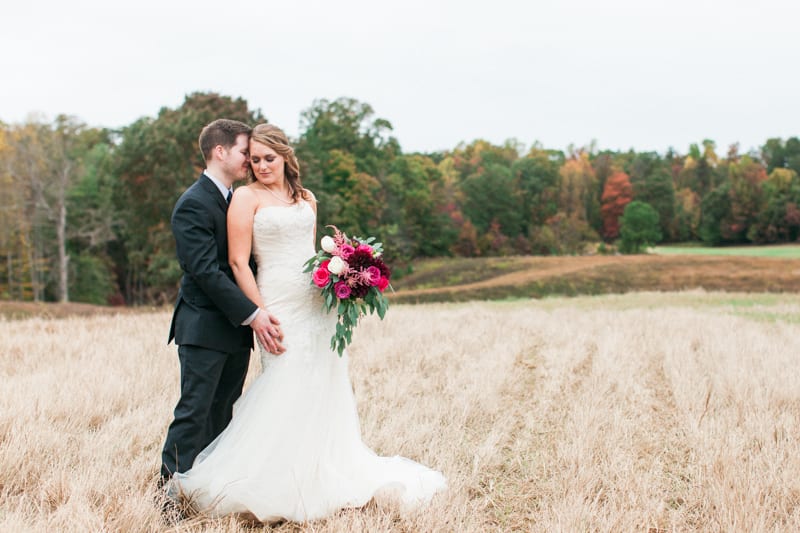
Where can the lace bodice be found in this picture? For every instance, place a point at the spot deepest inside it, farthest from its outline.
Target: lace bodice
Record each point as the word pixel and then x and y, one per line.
pixel 283 240
pixel 283 236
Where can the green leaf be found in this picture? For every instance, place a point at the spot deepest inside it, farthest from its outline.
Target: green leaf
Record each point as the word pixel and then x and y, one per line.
pixel 310 264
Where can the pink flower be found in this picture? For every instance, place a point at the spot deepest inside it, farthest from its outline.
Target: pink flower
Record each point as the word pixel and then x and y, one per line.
pixel 383 283
pixel 342 290
pixel 373 275
pixel 321 276
pixel 339 238
pixel 345 251
pixel 365 248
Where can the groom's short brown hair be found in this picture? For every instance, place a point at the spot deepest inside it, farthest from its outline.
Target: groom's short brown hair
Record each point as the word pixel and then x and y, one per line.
pixel 222 131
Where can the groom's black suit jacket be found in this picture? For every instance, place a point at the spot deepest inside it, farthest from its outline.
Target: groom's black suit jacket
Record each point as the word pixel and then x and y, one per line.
pixel 210 306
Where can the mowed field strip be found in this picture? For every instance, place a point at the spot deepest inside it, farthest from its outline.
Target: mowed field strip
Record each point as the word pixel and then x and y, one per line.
pixel 670 411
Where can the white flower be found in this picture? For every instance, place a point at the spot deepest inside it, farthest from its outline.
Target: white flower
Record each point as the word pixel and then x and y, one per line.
pixel 327 244
pixel 336 265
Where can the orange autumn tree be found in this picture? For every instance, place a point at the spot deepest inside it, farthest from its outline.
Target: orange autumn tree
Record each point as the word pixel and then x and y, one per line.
pixel 617 193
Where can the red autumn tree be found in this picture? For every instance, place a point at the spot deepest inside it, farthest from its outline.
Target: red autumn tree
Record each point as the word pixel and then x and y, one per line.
pixel 617 193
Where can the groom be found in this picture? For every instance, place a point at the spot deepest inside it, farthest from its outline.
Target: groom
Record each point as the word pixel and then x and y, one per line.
pixel 212 315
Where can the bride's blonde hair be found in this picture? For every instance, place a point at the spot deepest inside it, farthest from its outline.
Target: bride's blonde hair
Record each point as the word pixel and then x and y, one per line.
pixel 274 138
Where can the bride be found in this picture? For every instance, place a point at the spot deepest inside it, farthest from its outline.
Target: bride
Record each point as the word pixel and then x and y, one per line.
pixel 293 449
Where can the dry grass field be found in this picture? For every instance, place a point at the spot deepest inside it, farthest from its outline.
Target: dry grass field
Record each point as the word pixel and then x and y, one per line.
pixel 645 412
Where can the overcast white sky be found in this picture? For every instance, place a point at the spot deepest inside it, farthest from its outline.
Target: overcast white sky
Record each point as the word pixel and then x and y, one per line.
pixel 642 74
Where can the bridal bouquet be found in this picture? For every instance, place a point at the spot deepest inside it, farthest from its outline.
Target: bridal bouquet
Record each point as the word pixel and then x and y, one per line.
pixel 352 276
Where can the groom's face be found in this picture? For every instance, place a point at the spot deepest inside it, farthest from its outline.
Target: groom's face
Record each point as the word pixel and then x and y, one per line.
pixel 237 158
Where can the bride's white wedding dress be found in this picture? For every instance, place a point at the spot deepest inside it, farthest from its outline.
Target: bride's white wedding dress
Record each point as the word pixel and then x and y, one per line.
pixel 293 449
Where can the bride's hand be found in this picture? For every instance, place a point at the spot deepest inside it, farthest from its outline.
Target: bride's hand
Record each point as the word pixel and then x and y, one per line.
pixel 268 332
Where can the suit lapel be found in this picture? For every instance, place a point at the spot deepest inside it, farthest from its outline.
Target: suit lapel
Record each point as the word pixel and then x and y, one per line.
pixel 209 187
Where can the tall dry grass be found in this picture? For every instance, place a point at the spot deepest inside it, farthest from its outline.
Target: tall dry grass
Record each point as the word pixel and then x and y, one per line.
pixel 672 412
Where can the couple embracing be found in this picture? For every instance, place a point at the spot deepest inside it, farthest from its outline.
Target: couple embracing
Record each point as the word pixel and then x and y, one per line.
pixel 293 448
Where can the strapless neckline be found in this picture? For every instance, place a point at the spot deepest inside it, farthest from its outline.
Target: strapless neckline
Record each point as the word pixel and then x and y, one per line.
pixel 301 203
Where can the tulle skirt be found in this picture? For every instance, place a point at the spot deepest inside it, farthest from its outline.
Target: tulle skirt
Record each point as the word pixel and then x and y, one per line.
pixel 294 451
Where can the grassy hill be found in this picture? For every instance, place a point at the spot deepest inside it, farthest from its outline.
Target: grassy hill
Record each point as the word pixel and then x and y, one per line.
pixel 462 279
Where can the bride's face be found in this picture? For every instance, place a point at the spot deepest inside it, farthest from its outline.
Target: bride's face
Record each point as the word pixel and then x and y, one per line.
pixel 266 163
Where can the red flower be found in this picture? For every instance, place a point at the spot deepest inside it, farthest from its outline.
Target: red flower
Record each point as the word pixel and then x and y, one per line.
pixel 383 283
pixel 321 276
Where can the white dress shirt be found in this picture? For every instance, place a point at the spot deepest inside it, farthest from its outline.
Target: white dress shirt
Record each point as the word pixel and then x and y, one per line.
pixel 222 189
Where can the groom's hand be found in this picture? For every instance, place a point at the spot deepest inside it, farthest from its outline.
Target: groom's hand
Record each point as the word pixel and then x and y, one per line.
pixel 268 332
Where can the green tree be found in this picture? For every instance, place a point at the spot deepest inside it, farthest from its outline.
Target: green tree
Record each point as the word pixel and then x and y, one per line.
pixel 338 140
pixel 418 204
pixel 777 220
pixel 651 178
pixel 716 215
pixel 490 195
pixel 537 181
pixel 362 205
pixel 658 190
pixel 347 125
pixel 156 160
pixel 639 227
pixel 93 228
pixel 779 154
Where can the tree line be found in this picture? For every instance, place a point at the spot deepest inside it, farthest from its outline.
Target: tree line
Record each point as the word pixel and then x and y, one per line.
pixel 85 211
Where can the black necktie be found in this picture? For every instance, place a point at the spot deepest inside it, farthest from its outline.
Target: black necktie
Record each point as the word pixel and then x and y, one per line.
pixel 230 195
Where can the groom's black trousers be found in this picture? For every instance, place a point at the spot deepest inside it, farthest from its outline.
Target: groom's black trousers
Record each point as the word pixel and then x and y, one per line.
pixel 211 382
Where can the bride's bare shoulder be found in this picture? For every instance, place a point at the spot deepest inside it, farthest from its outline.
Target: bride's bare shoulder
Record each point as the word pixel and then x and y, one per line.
pixel 245 191
pixel 244 201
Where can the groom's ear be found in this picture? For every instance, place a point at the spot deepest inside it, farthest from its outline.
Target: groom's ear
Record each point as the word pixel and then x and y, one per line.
pixel 218 152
